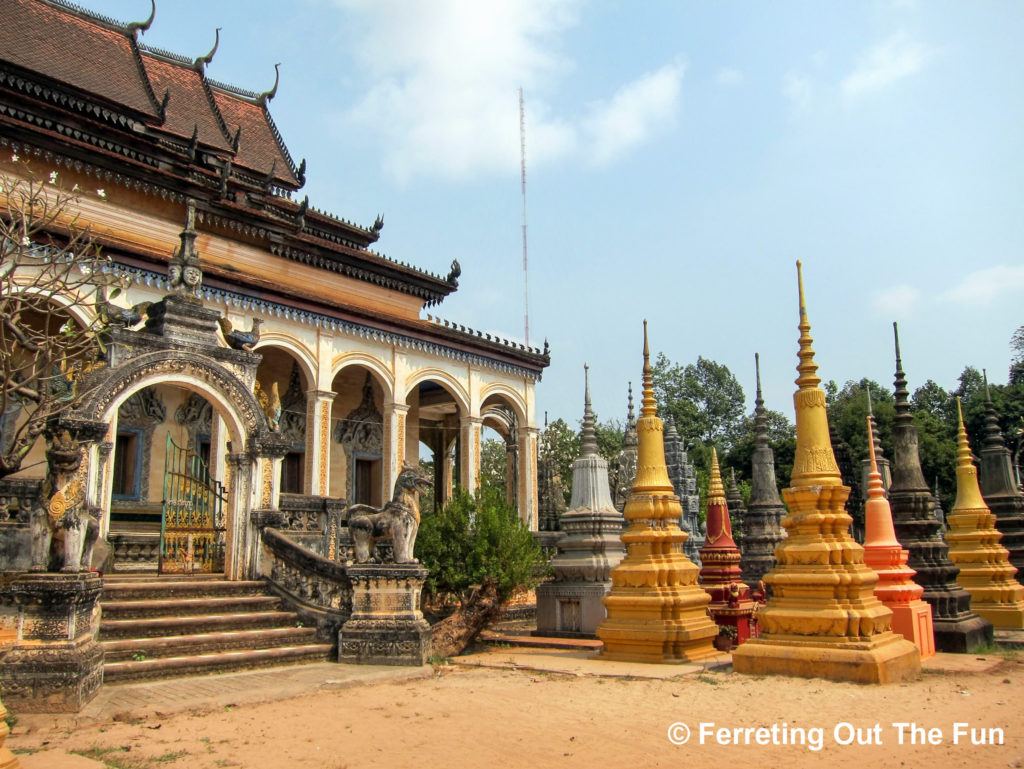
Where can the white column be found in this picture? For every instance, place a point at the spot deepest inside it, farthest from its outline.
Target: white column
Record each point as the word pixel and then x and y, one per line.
pixel 394 446
pixel 238 558
pixel 318 442
pixel 528 476
pixel 469 433
pixel 218 449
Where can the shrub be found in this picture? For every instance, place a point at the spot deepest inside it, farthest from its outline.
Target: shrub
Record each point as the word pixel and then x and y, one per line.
pixel 476 536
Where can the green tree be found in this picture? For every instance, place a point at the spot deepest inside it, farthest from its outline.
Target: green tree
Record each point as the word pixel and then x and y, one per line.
pixel 848 410
pixel 493 464
pixel 781 436
pixel 704 399
pixel 477 536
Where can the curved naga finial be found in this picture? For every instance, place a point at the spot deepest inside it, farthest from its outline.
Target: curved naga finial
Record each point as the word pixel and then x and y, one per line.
pixel 143 26
pixel 266 96
pixel 202 61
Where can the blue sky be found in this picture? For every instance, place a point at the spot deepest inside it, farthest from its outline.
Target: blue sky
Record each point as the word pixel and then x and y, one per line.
pixel 680 157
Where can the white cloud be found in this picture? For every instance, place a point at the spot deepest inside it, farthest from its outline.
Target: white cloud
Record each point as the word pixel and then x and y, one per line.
pixel 797 89
pixel 729 76
pixel 986 285
pixel 442 80
pixel 892 60
pixel 633 114
pixel 895 301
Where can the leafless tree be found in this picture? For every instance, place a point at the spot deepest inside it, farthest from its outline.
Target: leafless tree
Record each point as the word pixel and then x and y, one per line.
pixel 49 266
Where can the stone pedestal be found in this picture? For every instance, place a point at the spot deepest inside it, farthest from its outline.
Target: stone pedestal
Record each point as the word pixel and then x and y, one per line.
pixel 386 626
pixel 55 666
pixel 570 609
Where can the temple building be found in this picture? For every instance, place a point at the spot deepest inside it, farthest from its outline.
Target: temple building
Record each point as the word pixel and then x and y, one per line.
pixel 957 627
pixel 823 619
pixel 262 348
pixel 737 507
pixel 999 487
pixel 761 522
pixel 571 604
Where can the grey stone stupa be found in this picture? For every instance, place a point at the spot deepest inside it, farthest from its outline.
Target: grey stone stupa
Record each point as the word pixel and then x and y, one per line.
pixel 761 523
pixel 624 469
pixel 737 508
pixel 684 482
pixel 590 547
pixel 957 628
pixel 998 486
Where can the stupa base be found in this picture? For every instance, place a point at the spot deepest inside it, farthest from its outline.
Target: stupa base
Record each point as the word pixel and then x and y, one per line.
pixel 913 621
pixel 887 659
pixel 1002 616
pixel 964 635
pixel 658 643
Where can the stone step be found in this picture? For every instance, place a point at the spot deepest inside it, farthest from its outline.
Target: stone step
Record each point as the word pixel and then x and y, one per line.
pixel 178 607
pixel 122 650
pixel 150 589
pixel 154 627
pixel 191 665
pixel 117 578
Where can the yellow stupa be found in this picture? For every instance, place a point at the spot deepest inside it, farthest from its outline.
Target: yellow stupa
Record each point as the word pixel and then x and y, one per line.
pixel 656 610
pixel 985 569
pixel 823 619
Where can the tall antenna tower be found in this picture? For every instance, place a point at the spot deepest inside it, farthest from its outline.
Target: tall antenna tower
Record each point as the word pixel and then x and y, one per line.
pixel 522 157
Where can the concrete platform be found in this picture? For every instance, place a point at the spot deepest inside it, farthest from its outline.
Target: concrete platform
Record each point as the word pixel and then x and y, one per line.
pixel 584 663
pixel 1010 639
pixel 540 642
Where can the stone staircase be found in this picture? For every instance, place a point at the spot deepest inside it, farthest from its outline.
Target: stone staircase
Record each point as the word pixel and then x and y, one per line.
pixel 166 626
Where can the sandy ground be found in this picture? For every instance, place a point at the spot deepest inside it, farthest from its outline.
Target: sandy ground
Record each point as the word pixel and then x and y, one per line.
pixel 479 717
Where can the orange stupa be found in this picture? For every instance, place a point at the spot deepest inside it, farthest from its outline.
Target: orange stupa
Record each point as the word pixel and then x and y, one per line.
pixel 911 617
pixel 720 573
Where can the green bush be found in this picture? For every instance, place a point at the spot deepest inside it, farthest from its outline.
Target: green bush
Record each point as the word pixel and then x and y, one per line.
pixel 477 536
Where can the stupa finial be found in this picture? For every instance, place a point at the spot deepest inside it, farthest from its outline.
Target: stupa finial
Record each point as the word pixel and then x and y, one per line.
pixel 808 379
pixel 968 493
pixel 716 489
pixel 875 488
pixel 814 463
pixel 588 437
pixel 650 405
pixel 900 382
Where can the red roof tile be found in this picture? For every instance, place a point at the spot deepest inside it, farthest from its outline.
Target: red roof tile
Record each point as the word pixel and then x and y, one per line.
pixel 74 50
pixel 259 146
pixel 188 106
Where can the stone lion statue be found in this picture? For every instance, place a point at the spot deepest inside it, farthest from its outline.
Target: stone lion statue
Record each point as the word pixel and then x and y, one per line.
pixel 398 520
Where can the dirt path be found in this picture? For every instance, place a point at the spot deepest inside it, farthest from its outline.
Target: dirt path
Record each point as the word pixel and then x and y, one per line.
pixel 492 718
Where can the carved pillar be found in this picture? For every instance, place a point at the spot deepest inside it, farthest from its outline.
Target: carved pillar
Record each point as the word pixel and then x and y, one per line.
pixel 101 459
pixel 218 449
pixel 528 475
pixel 239 483
pixel 511 469
pixel 469 432
pixel 395 415
pixel 318 442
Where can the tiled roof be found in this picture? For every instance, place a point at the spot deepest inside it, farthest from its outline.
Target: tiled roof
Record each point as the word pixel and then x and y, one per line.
pixel 259 147
pixel 76 51
pixel 189 105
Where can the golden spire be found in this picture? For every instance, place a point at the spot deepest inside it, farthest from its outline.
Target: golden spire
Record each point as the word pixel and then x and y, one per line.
pixel 968 493
pixel 651 472
pixel 716 489
pixel 814 463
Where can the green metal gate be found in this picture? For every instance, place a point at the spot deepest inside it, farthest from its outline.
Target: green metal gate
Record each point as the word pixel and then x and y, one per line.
pixel 192 520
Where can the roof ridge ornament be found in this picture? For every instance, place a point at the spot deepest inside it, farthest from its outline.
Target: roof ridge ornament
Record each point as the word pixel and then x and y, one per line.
pixel 201 62
pixel 266 96
pixel 136 27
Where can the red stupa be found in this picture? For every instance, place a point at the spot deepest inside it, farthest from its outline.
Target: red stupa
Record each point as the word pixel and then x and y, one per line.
pixel 731 606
